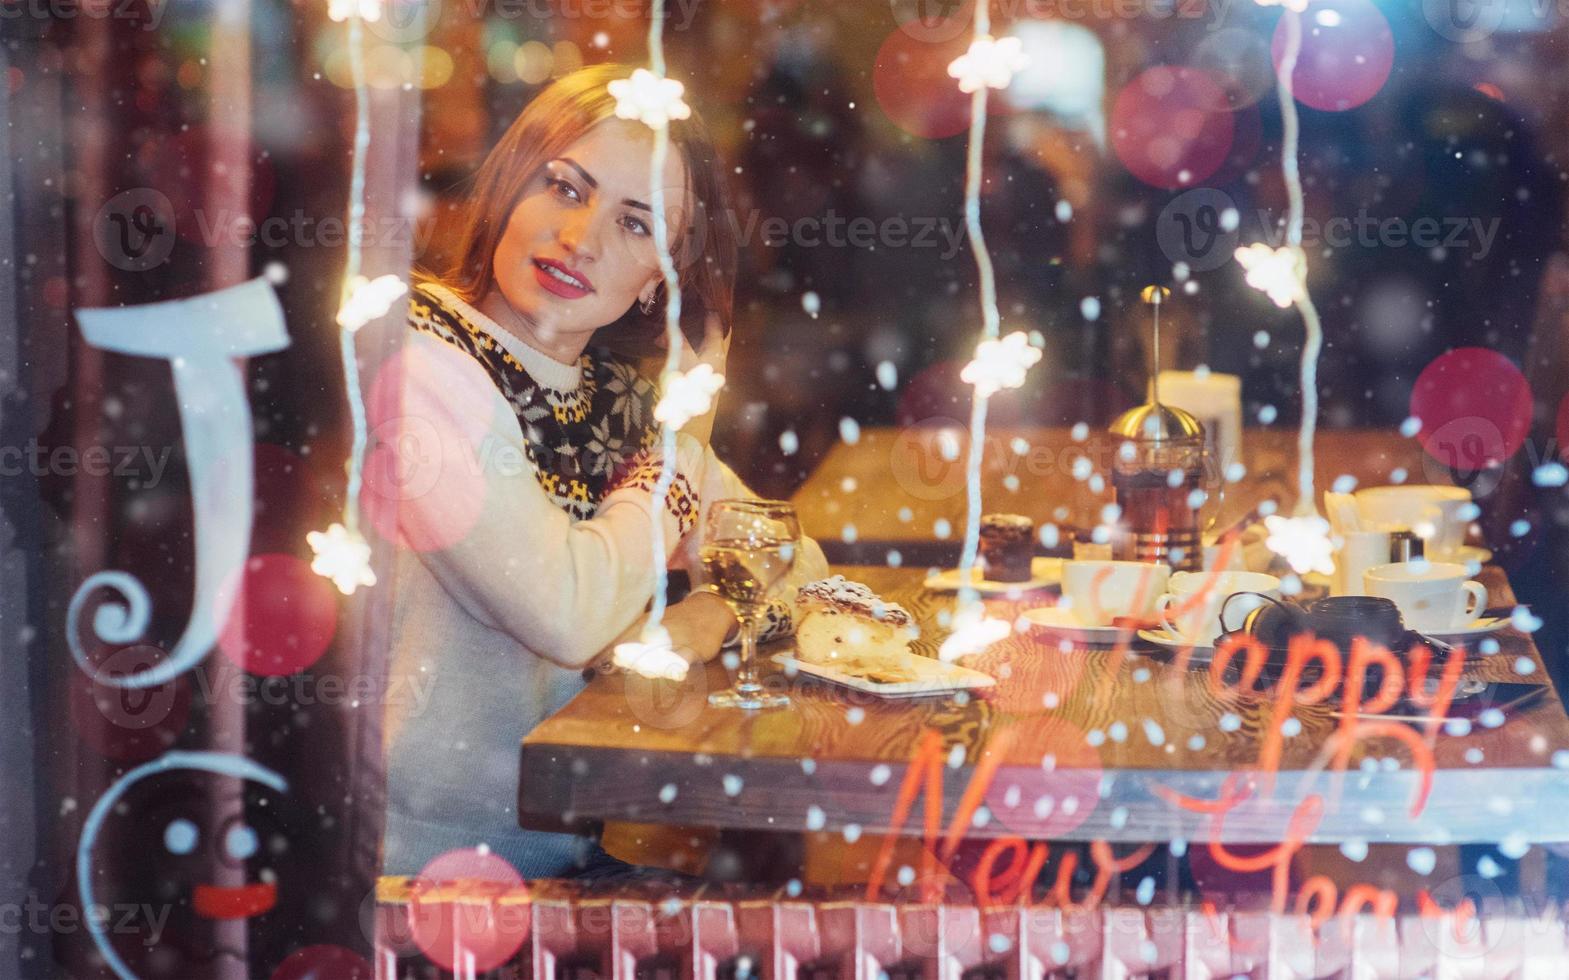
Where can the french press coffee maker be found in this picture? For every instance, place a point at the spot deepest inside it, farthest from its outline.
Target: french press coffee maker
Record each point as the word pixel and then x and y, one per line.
pixel 1158 473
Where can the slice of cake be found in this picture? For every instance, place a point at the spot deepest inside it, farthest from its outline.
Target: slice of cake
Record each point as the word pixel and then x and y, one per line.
pixel 846 624
pixel 1007 547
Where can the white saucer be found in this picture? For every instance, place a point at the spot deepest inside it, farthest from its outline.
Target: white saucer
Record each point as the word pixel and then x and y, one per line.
pixel 1478 628
pixel 1165 638
pixel 931 677
pixel 1044 572
pixel 1060 622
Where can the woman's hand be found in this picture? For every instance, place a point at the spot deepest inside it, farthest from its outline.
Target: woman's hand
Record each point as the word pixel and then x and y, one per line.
pixel 698 626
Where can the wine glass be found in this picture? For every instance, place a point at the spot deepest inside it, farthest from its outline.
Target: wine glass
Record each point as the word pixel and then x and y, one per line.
pixel 748 548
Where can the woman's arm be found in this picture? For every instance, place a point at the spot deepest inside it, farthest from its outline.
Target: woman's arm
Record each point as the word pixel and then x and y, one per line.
pixel 470 504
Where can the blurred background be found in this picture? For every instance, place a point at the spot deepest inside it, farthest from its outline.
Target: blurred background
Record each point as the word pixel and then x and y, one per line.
pixel 159 150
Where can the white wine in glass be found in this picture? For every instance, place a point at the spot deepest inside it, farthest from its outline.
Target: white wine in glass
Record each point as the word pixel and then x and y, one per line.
pixel 748 548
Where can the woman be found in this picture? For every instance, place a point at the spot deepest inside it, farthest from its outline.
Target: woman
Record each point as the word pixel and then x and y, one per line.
pixel 524 457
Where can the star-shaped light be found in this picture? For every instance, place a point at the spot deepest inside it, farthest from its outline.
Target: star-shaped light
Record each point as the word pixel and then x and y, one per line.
pixel 651 657
pixel 990 61
pixel 688 395
pixel 973 631
pixel 1303 541
pixel 1280 273
pixel 369 299
pixel 650 99
pixel 341 10
pixel 1296 5
pixel 1000 364
pixel 342 556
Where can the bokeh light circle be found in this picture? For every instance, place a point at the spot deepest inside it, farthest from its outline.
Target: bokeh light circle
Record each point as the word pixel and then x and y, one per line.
pixel 283 616
pixel 1347 53
pixel 1239 61
pixel 1170 127
pixel 490 932
pixel 429 412
pixel 324 962
pixel 911 82
pixel 1474 406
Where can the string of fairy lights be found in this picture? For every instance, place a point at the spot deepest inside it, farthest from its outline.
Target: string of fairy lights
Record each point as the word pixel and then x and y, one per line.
pixel 341 552
pixel 1303 539
pixel 649 96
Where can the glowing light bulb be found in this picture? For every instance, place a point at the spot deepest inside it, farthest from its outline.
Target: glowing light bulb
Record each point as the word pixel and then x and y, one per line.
pixel 973 631
pixel 1000 364
pixel 341 10
pixel 1280 273
pixel 650 99
pixel 688 395
pixel 343 556
pixel 369 299
pixel 651 657
pixel 1303 541
pixel 990 62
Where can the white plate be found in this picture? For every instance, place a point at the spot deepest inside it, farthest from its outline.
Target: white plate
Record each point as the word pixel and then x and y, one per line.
pixel 1060 622
pixel 1165 638
pixel 1043 572
pixel 933 677
pixel 1480 627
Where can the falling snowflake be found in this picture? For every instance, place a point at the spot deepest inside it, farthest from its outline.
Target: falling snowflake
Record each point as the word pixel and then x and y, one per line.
pixel 688 395
pixel 1279 273
pixel 1000 364
pixel 369 299
pixel 1303 541
pixel 650 99
pixel 990 62
pixel 343 556
pixel 973 631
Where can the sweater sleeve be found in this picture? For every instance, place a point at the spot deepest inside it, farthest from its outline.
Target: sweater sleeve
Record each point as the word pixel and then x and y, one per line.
pixel 470 504
pixel 720 482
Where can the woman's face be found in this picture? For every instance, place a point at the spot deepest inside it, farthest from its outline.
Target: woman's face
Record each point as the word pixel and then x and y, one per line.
pixel 579 247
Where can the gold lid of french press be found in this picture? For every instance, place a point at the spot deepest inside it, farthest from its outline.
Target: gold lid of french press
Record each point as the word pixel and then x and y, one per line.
pixel 1153 422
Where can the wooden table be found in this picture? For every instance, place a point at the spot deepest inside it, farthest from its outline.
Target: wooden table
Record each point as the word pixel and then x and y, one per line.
pixel 901 489
pixel 1095 734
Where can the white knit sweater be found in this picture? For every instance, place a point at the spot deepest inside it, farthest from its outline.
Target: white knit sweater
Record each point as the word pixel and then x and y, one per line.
pixel 500 597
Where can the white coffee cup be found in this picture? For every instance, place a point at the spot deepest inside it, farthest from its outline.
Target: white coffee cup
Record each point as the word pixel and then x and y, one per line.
pixel 1432 596
pixel 1098 592
pixel 1359 551
pixel 1195 619
pixel 1439 514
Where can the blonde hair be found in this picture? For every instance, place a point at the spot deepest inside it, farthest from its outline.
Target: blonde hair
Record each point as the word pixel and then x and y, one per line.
pixel 704 250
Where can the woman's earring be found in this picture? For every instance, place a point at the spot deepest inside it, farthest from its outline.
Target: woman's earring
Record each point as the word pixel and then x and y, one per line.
pixel 646 304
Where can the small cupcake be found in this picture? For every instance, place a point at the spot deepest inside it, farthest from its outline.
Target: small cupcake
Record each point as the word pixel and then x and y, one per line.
pixel 1007 547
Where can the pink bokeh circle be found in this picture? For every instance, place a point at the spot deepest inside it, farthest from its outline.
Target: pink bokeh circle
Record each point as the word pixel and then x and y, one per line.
pixel 283 616
pixel 1474 406
pixel 487 932
pixel 324 962
pixel 1170 126
pixel 1347 53
pixel 429 452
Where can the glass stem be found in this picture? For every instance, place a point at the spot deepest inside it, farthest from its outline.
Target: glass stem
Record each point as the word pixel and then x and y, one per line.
pixel 746 674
